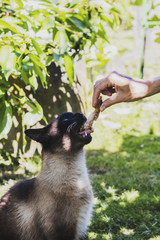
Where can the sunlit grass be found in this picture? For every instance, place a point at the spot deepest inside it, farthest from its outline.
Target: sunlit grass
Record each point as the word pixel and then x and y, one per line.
pixel 155 238
pixel 124 163
pixel 129 196
pixel 124 167
pixel 127 231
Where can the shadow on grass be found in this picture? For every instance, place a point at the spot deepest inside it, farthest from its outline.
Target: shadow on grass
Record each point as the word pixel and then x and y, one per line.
pixel 13 169
pixel 8 169
pixel 126 186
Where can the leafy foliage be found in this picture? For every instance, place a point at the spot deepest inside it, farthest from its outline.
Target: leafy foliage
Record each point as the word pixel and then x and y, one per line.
pixel 152 11
pixel 35 33
pixel 154 17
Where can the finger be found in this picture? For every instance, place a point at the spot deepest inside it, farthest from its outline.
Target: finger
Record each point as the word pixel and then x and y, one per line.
pixel 109 102
pixel 96 94
pixel 109 91
pixel 106 92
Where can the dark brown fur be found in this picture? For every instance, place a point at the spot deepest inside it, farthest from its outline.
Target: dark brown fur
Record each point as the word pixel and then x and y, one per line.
pixel 57 204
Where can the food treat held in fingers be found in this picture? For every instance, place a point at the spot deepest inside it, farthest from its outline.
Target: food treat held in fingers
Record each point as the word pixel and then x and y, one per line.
pixel 87 127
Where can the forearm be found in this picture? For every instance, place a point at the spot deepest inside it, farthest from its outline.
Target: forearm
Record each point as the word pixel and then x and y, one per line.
pixel 125 89
pixel 153 86
pixel 139 89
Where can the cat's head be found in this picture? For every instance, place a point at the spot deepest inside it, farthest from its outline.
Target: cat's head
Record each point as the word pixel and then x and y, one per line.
pixel 63 134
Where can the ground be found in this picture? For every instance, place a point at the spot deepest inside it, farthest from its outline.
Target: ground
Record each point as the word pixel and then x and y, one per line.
pixel 124 166
pixel 124 163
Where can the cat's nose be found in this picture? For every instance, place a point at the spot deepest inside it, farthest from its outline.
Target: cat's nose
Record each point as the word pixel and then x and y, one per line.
pixel 81 116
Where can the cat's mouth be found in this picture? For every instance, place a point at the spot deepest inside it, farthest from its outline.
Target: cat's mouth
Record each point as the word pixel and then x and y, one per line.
pixel 84 133
pixel 76 129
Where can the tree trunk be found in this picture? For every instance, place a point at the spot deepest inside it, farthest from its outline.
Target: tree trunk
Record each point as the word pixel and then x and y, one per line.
pixel 59 97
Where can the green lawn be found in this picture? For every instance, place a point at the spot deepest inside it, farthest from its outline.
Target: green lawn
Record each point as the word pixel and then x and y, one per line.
pixel 124 165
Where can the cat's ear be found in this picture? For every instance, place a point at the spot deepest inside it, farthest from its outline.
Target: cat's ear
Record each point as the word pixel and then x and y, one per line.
pixel 42 135
pixel 39 135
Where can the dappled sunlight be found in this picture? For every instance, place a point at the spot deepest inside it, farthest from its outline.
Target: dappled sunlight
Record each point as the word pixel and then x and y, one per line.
pixel 156 198
pixel 123 158
pixel 126 196
pixel 92 235
pixel 107 236
pixel 127 232
pixel 101 209
pixel 30 165
pixel 110 212
pixel 155 238
pixel 126 181
pixel 6 187
pixel 105 219
pixel 112 191
pixel 95 236
pixel 124 167
pixel 129 196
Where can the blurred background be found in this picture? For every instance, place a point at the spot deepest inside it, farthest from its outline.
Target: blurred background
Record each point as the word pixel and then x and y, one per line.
pixel 51 53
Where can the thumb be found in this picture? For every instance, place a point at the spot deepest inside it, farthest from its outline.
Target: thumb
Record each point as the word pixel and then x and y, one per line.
pixel 109 102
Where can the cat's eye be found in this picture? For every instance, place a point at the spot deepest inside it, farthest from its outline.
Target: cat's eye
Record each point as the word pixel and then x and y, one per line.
pixel 65 120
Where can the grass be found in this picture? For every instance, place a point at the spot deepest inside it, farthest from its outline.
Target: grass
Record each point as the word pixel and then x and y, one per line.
pixel 124 165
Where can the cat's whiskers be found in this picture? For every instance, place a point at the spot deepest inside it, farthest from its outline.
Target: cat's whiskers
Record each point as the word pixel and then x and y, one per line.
pixel 69 128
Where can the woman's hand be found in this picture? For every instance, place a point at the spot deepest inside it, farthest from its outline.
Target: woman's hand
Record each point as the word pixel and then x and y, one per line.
pixel 121 88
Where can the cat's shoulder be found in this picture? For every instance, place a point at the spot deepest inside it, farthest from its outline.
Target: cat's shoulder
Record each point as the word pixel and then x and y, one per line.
pixel 22 190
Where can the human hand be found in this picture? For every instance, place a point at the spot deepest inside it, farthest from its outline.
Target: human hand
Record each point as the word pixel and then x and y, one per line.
pixel 126 89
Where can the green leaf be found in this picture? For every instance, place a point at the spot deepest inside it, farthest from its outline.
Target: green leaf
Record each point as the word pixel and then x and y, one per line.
pixel 157 40
pixel 35 115
pixel 37 47
pixel 102 33
pixel 5 118
pixel 8 26
pixel 2 92
pixel 25 18
pixel 42 75
pixel 49 60
pixel 99 63
pixel 79 24
pixel 19 3
pixel 100 4
pixel 54 32
pixel 116 18
pixel 7 60
pixel 33 81
pixel 59 59
pixel 29 78
pixel 62 40
pixel 46 3
pixel 36 60
pixel 68 62
pixel 137 2
pixel 24 76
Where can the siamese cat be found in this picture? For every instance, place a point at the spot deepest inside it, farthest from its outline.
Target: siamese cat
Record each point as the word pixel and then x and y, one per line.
pixel 57 204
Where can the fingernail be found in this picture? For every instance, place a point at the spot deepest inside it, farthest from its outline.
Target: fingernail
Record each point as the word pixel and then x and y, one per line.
pixel 102 108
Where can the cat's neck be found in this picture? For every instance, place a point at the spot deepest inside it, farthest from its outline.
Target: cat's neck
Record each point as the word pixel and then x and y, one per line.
pixel 60 169
pixel 51 161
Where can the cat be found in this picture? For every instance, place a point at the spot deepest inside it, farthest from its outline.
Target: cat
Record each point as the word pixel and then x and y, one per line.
pixel 57 204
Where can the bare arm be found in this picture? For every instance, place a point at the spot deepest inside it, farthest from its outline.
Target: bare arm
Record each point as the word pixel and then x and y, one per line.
pixel 122 88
